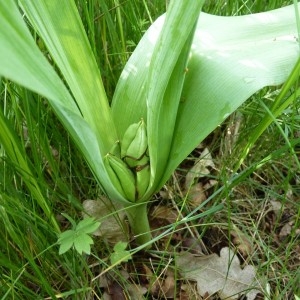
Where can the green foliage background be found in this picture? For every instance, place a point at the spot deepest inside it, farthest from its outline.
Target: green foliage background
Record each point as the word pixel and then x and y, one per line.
pixel 30 266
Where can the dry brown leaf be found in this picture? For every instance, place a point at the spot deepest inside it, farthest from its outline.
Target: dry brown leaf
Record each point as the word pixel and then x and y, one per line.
pixel 197 195
pixel 210 184
pixel 219 274
pixel 193 245
pixel 242 242
pixel 106 296
pixel 276 207
pixel 166 213
pixel 116 292
pixel 113 290
pixel 112 224
pixel 168 287
pixel 286 230
pixel 163 286
pixel 136 292
pixel 200 168
pixel 189 292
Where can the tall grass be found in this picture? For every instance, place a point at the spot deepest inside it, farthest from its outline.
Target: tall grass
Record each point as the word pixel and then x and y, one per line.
pixel 30 267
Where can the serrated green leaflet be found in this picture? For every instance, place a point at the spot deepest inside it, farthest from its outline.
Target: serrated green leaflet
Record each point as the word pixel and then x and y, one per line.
pixel 66 241
pixel 82 243
pixel 78 236
pixel 87 225
pixel 120 254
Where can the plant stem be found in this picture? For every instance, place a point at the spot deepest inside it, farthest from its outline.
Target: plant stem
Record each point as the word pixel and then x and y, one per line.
pixel 138 220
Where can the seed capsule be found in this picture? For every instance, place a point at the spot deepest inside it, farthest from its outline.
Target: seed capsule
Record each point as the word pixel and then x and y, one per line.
pixel 134 144
pixel 121 176
pixel 142 180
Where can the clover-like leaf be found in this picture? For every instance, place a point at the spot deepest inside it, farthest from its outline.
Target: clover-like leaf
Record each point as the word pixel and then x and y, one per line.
pixel 78 236
pixel 87 225
pixel 120 254
pixel 66 240
pixel 82 243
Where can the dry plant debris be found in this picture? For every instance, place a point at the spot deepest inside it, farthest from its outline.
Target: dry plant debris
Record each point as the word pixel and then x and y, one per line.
pixel 200 168
pixel 112 224
pixel 113 290
pixel 219 274
pixel 197 191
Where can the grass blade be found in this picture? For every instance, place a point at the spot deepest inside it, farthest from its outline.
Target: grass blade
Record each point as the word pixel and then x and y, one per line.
pixel 30 69
pixel 63 33
pixel 15 152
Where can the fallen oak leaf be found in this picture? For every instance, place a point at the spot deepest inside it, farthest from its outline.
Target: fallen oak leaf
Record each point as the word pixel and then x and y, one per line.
pixel 219 274
pixel 200 168
pixel 242 242
pixel 111 218
pixel 196 195
pixel 136 292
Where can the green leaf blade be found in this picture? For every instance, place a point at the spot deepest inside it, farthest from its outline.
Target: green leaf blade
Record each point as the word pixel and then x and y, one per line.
pixel 227 66
pixel 82 243
pixel 66 241
pixel 87 225
pixel 64 35
pixel 163 82
pixel 231 58
pixel 120 254
pixel 26 65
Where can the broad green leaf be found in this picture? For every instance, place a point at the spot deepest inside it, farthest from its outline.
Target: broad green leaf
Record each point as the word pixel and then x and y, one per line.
pixel 165 80
pixel 63 248
pixel 86 141
pixel 120 246
pixel 87 225
pixel 22 62
pixel 66 240
pixel 65 38
pixel 26 65
pixel 59 25
pixel 67 236
pixel 82 243
pixel 283 100
pixel 120 254
pixel 78 237
pixel 163 84
pixel 231 58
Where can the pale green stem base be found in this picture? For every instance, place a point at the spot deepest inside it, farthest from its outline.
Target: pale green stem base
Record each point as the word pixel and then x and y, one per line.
pixel 138 220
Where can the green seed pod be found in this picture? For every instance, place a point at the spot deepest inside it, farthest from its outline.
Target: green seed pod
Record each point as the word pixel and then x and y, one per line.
pixel 116 149
pixel 128 137
pixel 142 180
pixel 135 143
pixel 133 163
pixel 121 176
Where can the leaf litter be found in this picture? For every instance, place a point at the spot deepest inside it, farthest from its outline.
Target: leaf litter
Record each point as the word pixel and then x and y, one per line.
pixel 197 275
pixel 111 218
pixel 197 191
pixel 219 274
